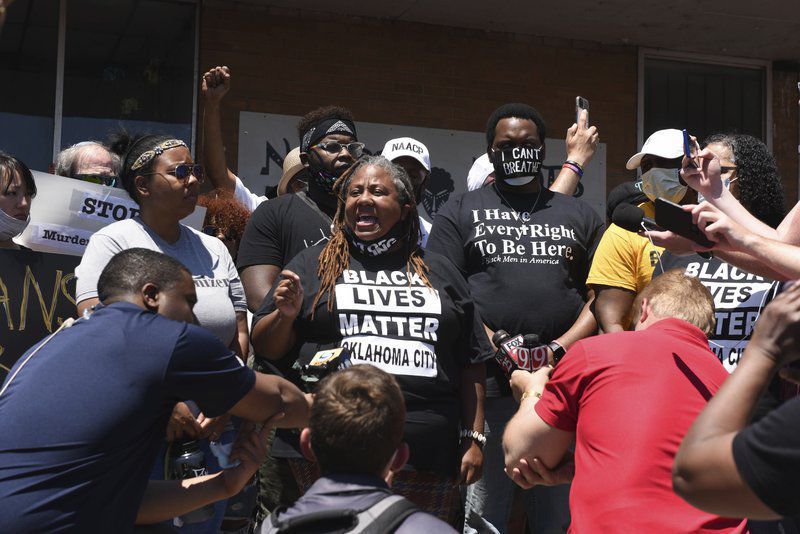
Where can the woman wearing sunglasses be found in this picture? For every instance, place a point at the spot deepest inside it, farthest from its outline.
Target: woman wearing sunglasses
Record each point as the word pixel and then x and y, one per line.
pixel 158 172
pixel 372 290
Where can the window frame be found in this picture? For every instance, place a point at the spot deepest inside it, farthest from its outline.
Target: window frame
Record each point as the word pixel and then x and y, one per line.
pixel 707 59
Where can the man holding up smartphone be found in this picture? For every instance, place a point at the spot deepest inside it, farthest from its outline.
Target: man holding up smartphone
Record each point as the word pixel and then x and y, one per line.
pixel 624 262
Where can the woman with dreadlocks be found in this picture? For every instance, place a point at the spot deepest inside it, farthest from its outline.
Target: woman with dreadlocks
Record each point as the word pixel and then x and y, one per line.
pixel 372 290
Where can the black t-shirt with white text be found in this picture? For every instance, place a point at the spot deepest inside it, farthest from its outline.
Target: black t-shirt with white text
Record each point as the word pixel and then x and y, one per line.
pixel 388 318
pixel 739 298
pixel 526 261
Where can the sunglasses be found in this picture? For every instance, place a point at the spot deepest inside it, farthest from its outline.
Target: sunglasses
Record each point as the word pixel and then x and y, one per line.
pixel 334 147
pixel 183 171
pixel 101 179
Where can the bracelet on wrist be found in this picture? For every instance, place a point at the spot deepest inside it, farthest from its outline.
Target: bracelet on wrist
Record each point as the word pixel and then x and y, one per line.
pixel 573 162
pixel 577 170
pixel 474 435
pixel 530 393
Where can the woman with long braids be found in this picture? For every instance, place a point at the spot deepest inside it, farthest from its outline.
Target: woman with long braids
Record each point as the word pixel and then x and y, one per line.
pixel 372 290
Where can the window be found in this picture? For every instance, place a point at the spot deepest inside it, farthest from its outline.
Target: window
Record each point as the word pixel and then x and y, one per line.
pixel 127 63
pixel 28 57
pixel 704 98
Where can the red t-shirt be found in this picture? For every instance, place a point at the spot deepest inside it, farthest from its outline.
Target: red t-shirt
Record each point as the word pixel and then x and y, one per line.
pixel 630 397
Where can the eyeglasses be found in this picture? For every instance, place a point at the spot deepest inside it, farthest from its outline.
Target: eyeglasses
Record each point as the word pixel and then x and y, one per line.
pixel 726 170
pixel 183 171
pixel 334 147
pixel 101 179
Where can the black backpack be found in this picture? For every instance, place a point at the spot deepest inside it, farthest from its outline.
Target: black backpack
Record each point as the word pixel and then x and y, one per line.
pixel 385 516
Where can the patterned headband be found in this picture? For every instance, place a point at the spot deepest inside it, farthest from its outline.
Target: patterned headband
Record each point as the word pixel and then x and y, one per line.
pixel 325 127
pixel 150 155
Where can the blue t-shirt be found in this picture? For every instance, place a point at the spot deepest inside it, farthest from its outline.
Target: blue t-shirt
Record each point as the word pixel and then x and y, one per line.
pixel 82 422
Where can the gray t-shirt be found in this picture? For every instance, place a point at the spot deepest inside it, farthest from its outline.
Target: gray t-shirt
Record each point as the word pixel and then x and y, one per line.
pixel 219 290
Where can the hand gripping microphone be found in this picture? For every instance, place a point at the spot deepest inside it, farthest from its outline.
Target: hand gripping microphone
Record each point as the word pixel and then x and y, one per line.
pixel 323 363
pixel 631 218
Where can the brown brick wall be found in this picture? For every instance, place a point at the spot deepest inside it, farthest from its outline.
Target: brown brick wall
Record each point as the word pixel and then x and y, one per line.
pixel 405 73
pixel 287 61
pixel 785 129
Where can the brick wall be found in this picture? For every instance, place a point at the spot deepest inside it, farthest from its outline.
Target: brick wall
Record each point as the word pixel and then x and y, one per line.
pixel 289 62
pixel 785 128
pixel 406 73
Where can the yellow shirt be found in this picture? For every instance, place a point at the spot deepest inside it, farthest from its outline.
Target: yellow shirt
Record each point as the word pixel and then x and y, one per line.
pixel 624 259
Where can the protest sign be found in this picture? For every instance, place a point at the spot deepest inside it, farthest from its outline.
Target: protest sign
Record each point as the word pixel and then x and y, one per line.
pixel 66 212
pixel 36 296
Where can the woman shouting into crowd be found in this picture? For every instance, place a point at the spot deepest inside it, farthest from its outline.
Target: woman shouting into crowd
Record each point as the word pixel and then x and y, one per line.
pixel 372 290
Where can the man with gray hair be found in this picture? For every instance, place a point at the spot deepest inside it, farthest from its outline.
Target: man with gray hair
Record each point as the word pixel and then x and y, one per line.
pixel 89 161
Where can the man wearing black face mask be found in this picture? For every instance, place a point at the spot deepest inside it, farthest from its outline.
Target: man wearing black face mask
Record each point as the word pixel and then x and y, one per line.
pixel 525 252
pixel 284 226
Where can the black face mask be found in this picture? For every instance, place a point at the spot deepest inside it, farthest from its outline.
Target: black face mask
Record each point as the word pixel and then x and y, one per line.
pixel 518 165
pixel 320 176
pixel 376 247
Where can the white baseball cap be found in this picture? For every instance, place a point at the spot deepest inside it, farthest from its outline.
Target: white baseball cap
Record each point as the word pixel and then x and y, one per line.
pixel 406 146
pixel 480 170
pixel 666 144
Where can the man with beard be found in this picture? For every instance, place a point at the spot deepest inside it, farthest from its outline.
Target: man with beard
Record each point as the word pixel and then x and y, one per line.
pixel 526 252
pixel 284 226
pixel 276 232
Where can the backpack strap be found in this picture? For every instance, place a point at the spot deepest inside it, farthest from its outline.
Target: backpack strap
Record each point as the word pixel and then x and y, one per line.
pixel 385 516
pixel 333 521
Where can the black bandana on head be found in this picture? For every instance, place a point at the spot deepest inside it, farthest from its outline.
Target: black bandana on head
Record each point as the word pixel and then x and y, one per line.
pixel 376 247
pixel 318 130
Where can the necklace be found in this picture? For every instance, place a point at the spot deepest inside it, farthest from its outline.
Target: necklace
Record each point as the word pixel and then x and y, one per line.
pixel 530 211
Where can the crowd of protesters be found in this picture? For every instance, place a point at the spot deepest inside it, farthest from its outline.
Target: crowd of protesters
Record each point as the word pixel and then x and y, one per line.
pixel 649 392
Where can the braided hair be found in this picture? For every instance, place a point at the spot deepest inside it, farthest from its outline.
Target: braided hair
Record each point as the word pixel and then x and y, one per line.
pixel 335 257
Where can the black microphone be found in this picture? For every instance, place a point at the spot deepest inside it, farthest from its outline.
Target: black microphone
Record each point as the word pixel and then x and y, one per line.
pixel 530 340
pixel 505 355
pixel 630 218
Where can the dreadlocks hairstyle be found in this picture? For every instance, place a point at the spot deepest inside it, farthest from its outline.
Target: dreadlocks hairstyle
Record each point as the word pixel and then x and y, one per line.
pixel 760 188
pixel 335 257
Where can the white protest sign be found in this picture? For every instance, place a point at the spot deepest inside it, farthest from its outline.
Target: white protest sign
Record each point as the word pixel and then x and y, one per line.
pixel 66 212
pixel 265 138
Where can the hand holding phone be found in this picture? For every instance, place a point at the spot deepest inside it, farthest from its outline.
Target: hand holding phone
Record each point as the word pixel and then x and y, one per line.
pixel 581 104
pixel 690 150
pixel 671 216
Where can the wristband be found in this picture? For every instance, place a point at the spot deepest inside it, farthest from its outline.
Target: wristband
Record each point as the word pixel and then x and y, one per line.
pixel 574 168
pixel 479 438
pixel 571 162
